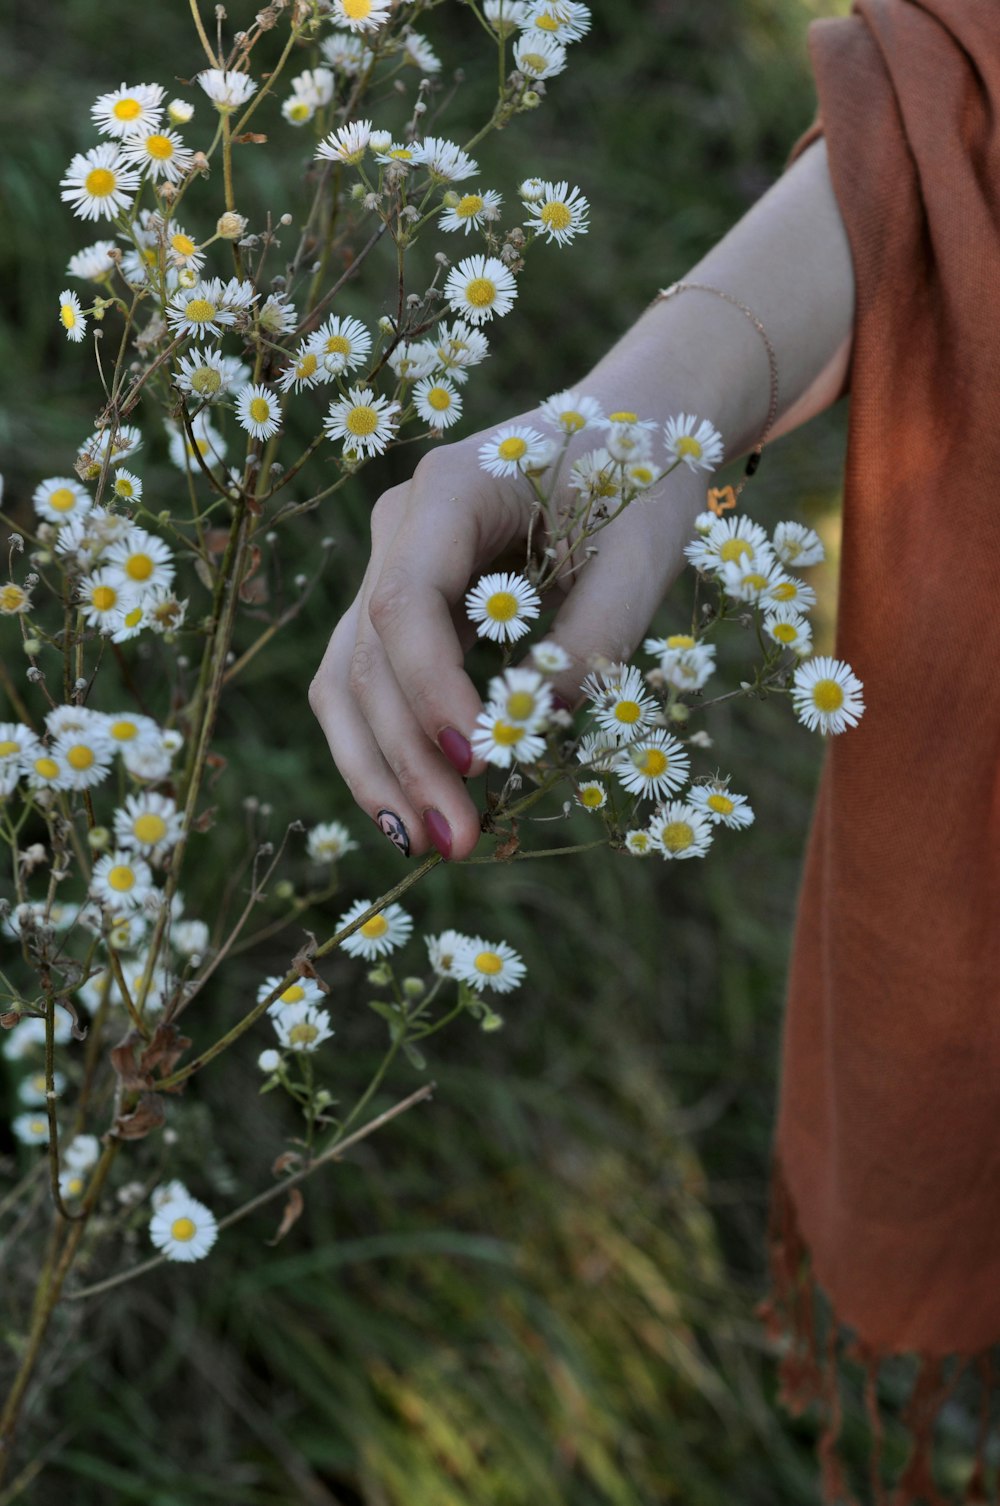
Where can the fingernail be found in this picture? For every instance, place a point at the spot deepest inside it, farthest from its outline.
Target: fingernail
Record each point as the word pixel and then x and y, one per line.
pixel 392 825
pixel 456 749
pixel 438 830
pixel 560 702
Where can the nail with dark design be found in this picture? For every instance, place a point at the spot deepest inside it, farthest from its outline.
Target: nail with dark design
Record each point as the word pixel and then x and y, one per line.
pixel 438 830
pixel 394 829
pixel 560 702
pixel 456 749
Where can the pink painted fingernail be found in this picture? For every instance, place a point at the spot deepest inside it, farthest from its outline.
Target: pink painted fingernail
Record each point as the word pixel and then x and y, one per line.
pixel 456 749
pixel 438 830
pixel 560 702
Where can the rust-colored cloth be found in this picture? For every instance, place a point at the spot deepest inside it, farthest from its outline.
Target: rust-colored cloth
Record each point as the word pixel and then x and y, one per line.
pixel 887 1149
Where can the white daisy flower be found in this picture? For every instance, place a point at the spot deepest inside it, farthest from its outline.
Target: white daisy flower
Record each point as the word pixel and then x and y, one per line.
pixel 361 15
pixel 126 486
pixel 419 52
pixel 258 410
pixel 592 795
pixel 302 991
pixel 598 752
pixel 346 52
pixel 826 694
pixel 125 728
pixel 797 546
pixel 531 189
pixel 505 16
pixel 391 153
pixel 383 933
pixel 789 591
pixel 364 422
pixel 314 84
pixel 190 938
pixel 639 843
pixel 147 760
pixel 102 593
pixel 200 311
pixel 460 346
pixel 471 211
pixel 143 560
pixel 445 160
pixel 72 1185
pixel 501 605
pixel 789 629
pixel 208 374
pixel 502 741
pixel 412 360
pixel 207 440
pixel 122 442
pixel 341 344
pixel 685 663
pixel 642 474
pixel 161 153
pixel 86 758
pixel 15 742
pixel 550 658
pixel 729 541
pixel 13 599
pixel 180 111
pixel 751 581
pixel 30 1128
pixel 82 1152
pixel 28 1035
pixel 183 1228
pixel 559 213
pixel 32 1090
pixel 628 442
pixel 182 250
pixel 721 805
pixel 99 182
pixel 227 91
pixel 655 765
pixel 622 707
pixel 71 718
pixel 303 1027
pixel 329 841
pixel 524 696
pixel 438 402
pixel 59 498
pixel 597 475
pixel 121 881
pixel 304 371
pixel 44 771
pixel 694 441
pixel 490 964
pixel 445 952
pixel 565 20
pixel 513 449
pixel 572 411
pixel 128 109
pixel 92 264
pixel 71 316
pixel 148 823
pixel 168 1192
pixel 479 288
pixel 538 55
pixel 269 1061
pixel 679 830
pixel 277 315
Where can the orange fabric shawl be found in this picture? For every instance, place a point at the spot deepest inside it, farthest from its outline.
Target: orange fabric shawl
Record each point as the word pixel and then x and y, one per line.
pixel 887 1150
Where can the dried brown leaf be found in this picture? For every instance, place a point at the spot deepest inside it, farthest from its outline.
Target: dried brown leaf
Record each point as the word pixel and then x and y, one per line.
pixel 147 1116
pixel 291 1215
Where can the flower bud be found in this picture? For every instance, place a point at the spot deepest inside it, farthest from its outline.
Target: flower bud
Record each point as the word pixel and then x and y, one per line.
pixel 679 712
pixel 231 225
pixel 413 988
pixel 269 1061
pixel 180 111
pixel 98 838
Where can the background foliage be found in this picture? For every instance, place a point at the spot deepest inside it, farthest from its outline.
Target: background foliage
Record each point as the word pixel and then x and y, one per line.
pixel 539 1286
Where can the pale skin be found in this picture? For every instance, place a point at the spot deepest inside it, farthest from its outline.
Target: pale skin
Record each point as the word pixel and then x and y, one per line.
pixel 393 680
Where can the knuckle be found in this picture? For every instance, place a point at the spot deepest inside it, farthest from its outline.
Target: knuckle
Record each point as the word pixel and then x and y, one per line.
pixel 361 672
pixel 389 599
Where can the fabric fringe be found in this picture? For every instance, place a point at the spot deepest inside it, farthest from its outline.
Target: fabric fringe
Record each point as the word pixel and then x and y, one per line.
pixel 817 1359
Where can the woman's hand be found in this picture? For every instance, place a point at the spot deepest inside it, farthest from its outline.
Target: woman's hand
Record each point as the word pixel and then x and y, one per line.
pixel 391 692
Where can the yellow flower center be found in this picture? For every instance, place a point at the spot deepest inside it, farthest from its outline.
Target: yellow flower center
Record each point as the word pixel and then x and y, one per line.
pixel 46 768
pixel 126 109
pixel 303 1034
pixel 62 499
pixel 307 366
pixel 149 828
pixel 480 292
pixel 623 416
pixel 260 410
pixel 338 345
pixel 294 994
pixel 99 182
pixel 123 731
pixel 513 448
pixel 501 606
pixel 134 617
pixel 641 473
pixel 439 398
pixel 401 154
pixel 786 590
pixel 680 640
pixel 67 314
pixel 80 757
pixel 827 695
pixel 121 878
pixel 159 147
pixel 73 1187
pixel 687 445
pixel 592 798
pixel 103 598
pixel 489 963
pixel 124 488
pixel 677 835
pixel 653 763
pixel 640 842
pixel 468 205
pixel 505 734
pixel 721 804
pixel 556 216
pixel 733 551
pixel 755 581
pixel 785 632
pixel 7 747
pixel 628 712
pixel 140 567
pixel 792 548
pixel 520 705
pixel 183 1229
pixel 206 381
pixel 362 420
pixel 571 420
pixel 182 244
pixel 547 22
pixel 12 598
pixel 374 928
pixel 533 62
pixel 38 1126
pixel 300 110
pixel 357 10
pixel 200 311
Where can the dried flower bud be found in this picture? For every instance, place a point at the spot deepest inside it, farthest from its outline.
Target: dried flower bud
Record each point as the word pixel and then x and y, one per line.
pixel 231 225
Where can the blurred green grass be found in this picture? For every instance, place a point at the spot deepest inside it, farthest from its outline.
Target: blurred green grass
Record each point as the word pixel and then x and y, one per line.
pixel 540 1285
